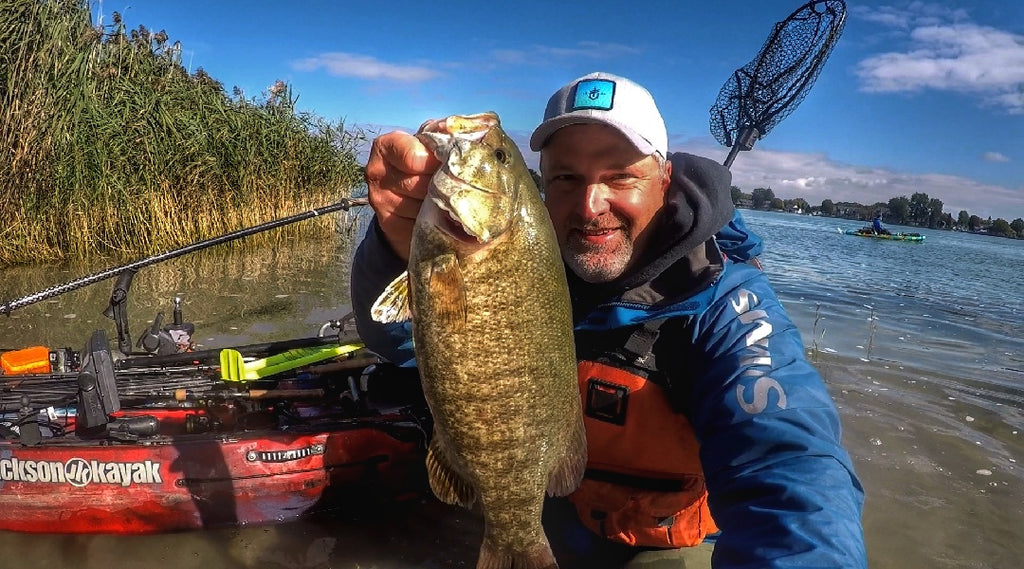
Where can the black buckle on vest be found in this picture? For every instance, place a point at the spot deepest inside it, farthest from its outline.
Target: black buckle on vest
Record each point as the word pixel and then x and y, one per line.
pixel 607 401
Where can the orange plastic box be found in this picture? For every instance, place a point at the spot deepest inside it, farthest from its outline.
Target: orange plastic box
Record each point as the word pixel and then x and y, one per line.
pixel 29 360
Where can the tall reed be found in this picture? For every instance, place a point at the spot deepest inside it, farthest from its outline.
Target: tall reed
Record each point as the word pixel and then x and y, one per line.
pixel 109 146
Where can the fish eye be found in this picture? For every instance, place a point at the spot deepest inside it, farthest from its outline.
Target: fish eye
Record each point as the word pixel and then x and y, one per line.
pixel 501 155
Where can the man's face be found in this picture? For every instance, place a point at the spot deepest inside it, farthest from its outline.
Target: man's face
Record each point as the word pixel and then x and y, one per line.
pixel 603 196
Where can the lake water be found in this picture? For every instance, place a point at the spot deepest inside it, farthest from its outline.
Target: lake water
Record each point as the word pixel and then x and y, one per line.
pixel 921 345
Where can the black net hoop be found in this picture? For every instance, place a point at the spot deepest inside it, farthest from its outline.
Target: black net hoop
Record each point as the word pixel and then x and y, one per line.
pixel 763 92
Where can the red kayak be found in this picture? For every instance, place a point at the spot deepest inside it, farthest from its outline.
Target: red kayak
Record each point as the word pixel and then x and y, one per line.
pixel 177 447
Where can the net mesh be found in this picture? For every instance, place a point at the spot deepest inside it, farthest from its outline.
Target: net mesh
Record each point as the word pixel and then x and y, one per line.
pixel 766 90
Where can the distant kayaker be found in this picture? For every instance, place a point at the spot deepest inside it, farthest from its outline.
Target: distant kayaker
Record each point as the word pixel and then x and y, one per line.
pixel 876 224
pixel 699 401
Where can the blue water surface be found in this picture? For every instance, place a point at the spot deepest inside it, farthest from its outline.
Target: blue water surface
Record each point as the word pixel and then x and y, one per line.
pixel 952 305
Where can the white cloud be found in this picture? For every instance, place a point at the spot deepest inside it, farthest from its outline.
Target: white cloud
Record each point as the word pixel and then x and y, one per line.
pixel 915 14
pixel 885 15
pixel 589 50
pixel 582 50
pixel 814 177
pixel 994 157
pixel 364 67
pixel 344 64
pixel 511 56
pixel 959 56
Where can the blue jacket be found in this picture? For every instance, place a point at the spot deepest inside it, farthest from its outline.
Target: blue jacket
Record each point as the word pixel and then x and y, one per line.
pixel 737 241
pixel 780 485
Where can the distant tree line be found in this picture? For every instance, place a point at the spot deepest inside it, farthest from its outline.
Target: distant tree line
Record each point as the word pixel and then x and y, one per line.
pixel 918 210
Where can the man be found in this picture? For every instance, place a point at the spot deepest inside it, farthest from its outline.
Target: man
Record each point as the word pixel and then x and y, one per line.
pixel 702 413
pixel 876 224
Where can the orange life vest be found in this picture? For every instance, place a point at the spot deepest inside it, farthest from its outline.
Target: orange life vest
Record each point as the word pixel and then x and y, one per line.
pixel 644 484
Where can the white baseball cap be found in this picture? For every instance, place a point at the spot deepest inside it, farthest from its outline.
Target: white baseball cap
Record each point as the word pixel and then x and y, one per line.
pixel 606 99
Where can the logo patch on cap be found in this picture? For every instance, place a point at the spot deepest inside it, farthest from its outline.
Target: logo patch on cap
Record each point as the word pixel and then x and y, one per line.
pixel 594 94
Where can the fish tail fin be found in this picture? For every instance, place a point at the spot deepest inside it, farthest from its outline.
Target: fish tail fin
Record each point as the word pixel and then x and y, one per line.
pixel 568 471
pixel 537 557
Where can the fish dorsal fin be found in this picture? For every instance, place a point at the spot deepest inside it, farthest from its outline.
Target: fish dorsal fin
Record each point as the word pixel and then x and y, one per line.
pixel 393 304
pixel 445 481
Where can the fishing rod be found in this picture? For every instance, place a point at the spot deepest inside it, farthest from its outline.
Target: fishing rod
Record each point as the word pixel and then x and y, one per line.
pixel 763 92
pixel 344 204
pixel 212 356
pixel 50 389
pixel 57 390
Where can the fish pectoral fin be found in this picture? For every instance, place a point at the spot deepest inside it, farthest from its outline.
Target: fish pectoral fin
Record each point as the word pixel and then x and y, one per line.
pixel 448 291
pixel 567 473
pixel 445 482
pixel 393 304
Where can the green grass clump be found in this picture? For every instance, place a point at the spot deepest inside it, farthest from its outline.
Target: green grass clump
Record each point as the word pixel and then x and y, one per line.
pixel 109 146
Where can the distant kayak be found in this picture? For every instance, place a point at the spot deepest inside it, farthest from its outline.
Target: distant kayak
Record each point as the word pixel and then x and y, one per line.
pixel 867 232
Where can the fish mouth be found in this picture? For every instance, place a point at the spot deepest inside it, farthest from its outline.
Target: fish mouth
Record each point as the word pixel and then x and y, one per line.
pixel 451 225
pixel 454 228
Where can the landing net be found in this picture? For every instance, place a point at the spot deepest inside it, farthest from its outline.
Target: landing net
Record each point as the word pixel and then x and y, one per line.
pixel 763 92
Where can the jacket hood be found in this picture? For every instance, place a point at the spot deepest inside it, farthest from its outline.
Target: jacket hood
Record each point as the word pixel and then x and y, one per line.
pixel 680 259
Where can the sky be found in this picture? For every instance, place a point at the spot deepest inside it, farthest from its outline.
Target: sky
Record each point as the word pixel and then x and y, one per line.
pixel 915 97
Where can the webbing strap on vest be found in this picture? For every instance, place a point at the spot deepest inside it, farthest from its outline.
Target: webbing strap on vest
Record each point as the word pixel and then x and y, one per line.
pixel 642 482
pixel 640 345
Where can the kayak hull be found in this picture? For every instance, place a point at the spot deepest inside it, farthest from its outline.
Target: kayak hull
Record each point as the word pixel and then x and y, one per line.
pixel 183 482
pixel 913 237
